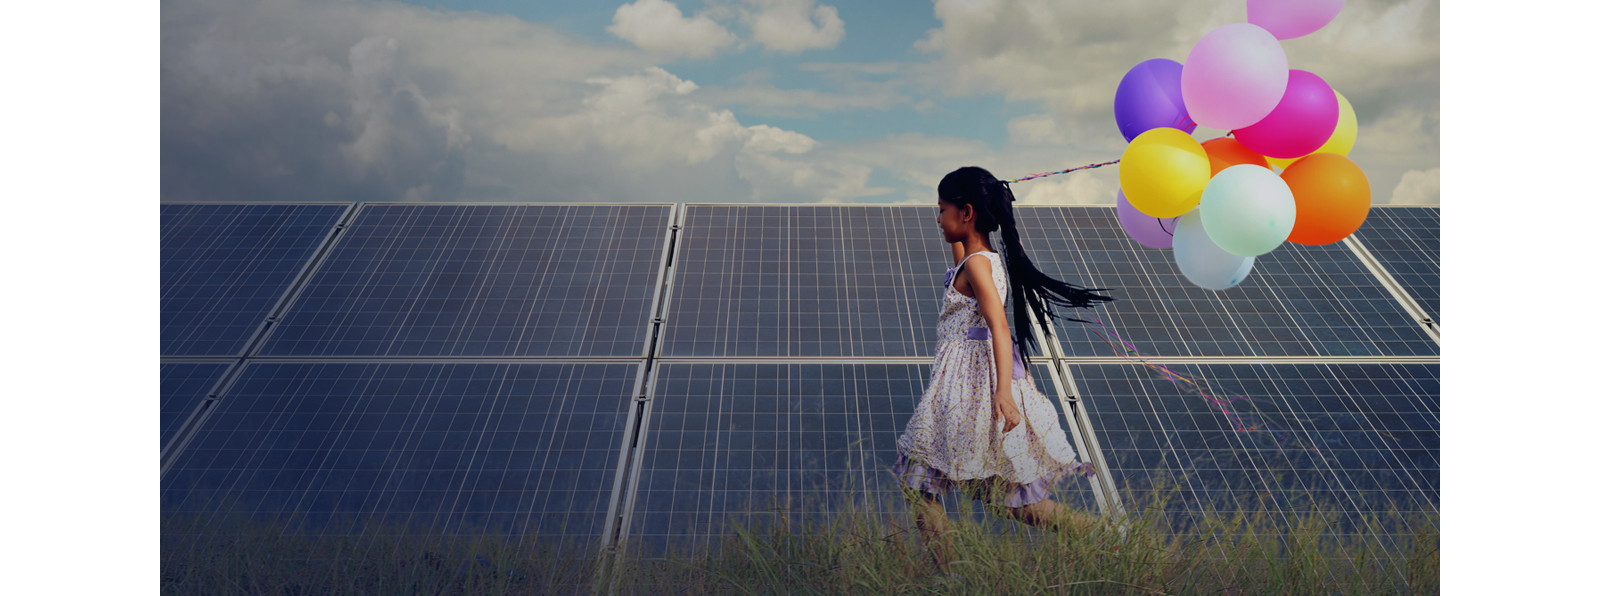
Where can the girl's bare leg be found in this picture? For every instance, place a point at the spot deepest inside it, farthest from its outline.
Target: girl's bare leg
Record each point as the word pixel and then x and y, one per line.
pixel 935 529
pixel 1052 516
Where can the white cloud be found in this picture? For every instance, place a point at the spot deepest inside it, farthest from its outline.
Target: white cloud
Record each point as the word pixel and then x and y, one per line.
pixel 790 26
pixel 1417 188
pixel 659 26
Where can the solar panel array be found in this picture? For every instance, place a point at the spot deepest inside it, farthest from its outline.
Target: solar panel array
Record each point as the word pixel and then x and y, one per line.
pixel 1406 242
pixel 647 372
pixel 224 267
pixel 1313 301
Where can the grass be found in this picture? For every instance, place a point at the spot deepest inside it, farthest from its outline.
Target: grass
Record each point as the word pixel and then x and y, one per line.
pixel 853 551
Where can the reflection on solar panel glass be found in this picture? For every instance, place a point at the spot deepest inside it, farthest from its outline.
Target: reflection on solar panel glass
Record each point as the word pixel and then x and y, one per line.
pixel 727 439
pixel 183 385
pixel 1352 438
pixel 1297 300
pixel 823 281
pixel 482 280
pixel 224 267
pixel 518 449
pixel 1405 240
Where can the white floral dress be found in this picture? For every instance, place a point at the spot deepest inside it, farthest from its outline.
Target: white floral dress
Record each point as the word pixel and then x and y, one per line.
pixel 953 435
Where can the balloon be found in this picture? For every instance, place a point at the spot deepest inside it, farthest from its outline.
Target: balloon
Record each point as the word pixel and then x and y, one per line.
pixel 1248 210
pixel 1344 134
pixel 1288 19
pixel 1163 172
pixel 1149 231
pixel 1150 96
pixel 1234 76
pixel 1331 198
pixel 1201 261
pixel 1302 121
pixel 1226 151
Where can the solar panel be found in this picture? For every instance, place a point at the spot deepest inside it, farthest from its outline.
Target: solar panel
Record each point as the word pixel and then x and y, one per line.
pixel 811 281
pixel 519 449
pixel 183 385
pixel 482 280
pixel 1297 301
pixel 1356 437
pixel 1405 240
pixel 726 439
pixel 224 267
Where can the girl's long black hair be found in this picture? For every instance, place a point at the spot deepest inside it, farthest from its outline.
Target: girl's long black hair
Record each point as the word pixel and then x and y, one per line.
pixel 1032 290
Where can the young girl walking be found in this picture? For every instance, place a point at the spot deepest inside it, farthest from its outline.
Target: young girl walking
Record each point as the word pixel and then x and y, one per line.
pixel 981 424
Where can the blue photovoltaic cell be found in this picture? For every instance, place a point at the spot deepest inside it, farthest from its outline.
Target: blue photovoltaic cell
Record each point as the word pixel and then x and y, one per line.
pixel 427 449
pixel 1353 438
pixel 183 385
pixel 822 281
pixel 1297 300
pixel 224 267
pixel 724 439
pixel 1405 240
pixel 482 280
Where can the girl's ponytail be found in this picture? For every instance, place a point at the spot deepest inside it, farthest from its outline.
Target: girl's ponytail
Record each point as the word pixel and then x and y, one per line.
pixel 1032 290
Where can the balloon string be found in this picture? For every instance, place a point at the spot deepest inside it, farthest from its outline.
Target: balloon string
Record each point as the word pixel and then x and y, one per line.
pixel 1130 353
pixel 1093 165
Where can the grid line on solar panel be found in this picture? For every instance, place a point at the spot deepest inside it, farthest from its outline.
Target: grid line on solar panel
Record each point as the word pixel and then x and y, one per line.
pixel 805 282
pixel 441 448
pixel 1297 300
pixel 482 280
pixel 724 439
pixel 1352 438
pixel 224 267
pixel 1405 241
pixel 183 386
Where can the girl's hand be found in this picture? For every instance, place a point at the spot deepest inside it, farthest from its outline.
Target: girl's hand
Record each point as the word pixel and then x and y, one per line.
pixel 1006 409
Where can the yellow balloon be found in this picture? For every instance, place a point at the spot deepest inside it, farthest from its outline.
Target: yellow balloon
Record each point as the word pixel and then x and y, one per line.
pixel 1163 172
pixel 1342 141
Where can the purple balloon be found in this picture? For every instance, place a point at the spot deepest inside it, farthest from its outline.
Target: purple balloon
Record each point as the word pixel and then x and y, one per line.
pixel 1151 96
pixel 1154 232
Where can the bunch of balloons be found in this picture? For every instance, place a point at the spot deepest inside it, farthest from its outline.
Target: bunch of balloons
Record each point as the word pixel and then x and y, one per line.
pixel 1219 204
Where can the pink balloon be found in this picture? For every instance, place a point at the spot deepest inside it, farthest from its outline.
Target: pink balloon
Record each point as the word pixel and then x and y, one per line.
pixel 1302 122
pixel 1234 76
pixel 1288 19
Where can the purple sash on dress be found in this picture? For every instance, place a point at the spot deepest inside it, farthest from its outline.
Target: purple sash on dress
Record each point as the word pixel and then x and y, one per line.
pixel 1017 370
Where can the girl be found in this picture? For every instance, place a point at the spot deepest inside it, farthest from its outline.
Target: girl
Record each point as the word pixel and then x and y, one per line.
pixel 981 423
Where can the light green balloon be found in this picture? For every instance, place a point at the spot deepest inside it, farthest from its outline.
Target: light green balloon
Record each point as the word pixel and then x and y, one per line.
pixel 1248 210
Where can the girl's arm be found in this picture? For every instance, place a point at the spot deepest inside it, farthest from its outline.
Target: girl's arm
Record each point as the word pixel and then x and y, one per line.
pixel 994 313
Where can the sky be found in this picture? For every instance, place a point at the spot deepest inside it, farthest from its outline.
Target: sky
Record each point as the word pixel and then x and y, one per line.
pixel 749 101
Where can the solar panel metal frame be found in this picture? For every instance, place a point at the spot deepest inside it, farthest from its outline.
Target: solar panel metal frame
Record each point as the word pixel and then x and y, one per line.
pixel 630 424
pixel 253 339
pixel 1374 262
pixel 179 430
pixel 652 313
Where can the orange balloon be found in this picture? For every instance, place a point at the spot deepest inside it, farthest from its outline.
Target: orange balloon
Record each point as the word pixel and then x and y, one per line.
pixel 1226 152
pixel 1331 198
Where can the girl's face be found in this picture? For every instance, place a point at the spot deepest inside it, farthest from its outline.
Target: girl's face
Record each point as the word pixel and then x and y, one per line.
pixel 950 221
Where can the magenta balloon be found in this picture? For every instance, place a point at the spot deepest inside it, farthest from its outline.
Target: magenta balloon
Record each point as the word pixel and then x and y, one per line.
pixel 1288 19
pixel 1150 231
pixel 1234 76
pixel 1302 122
